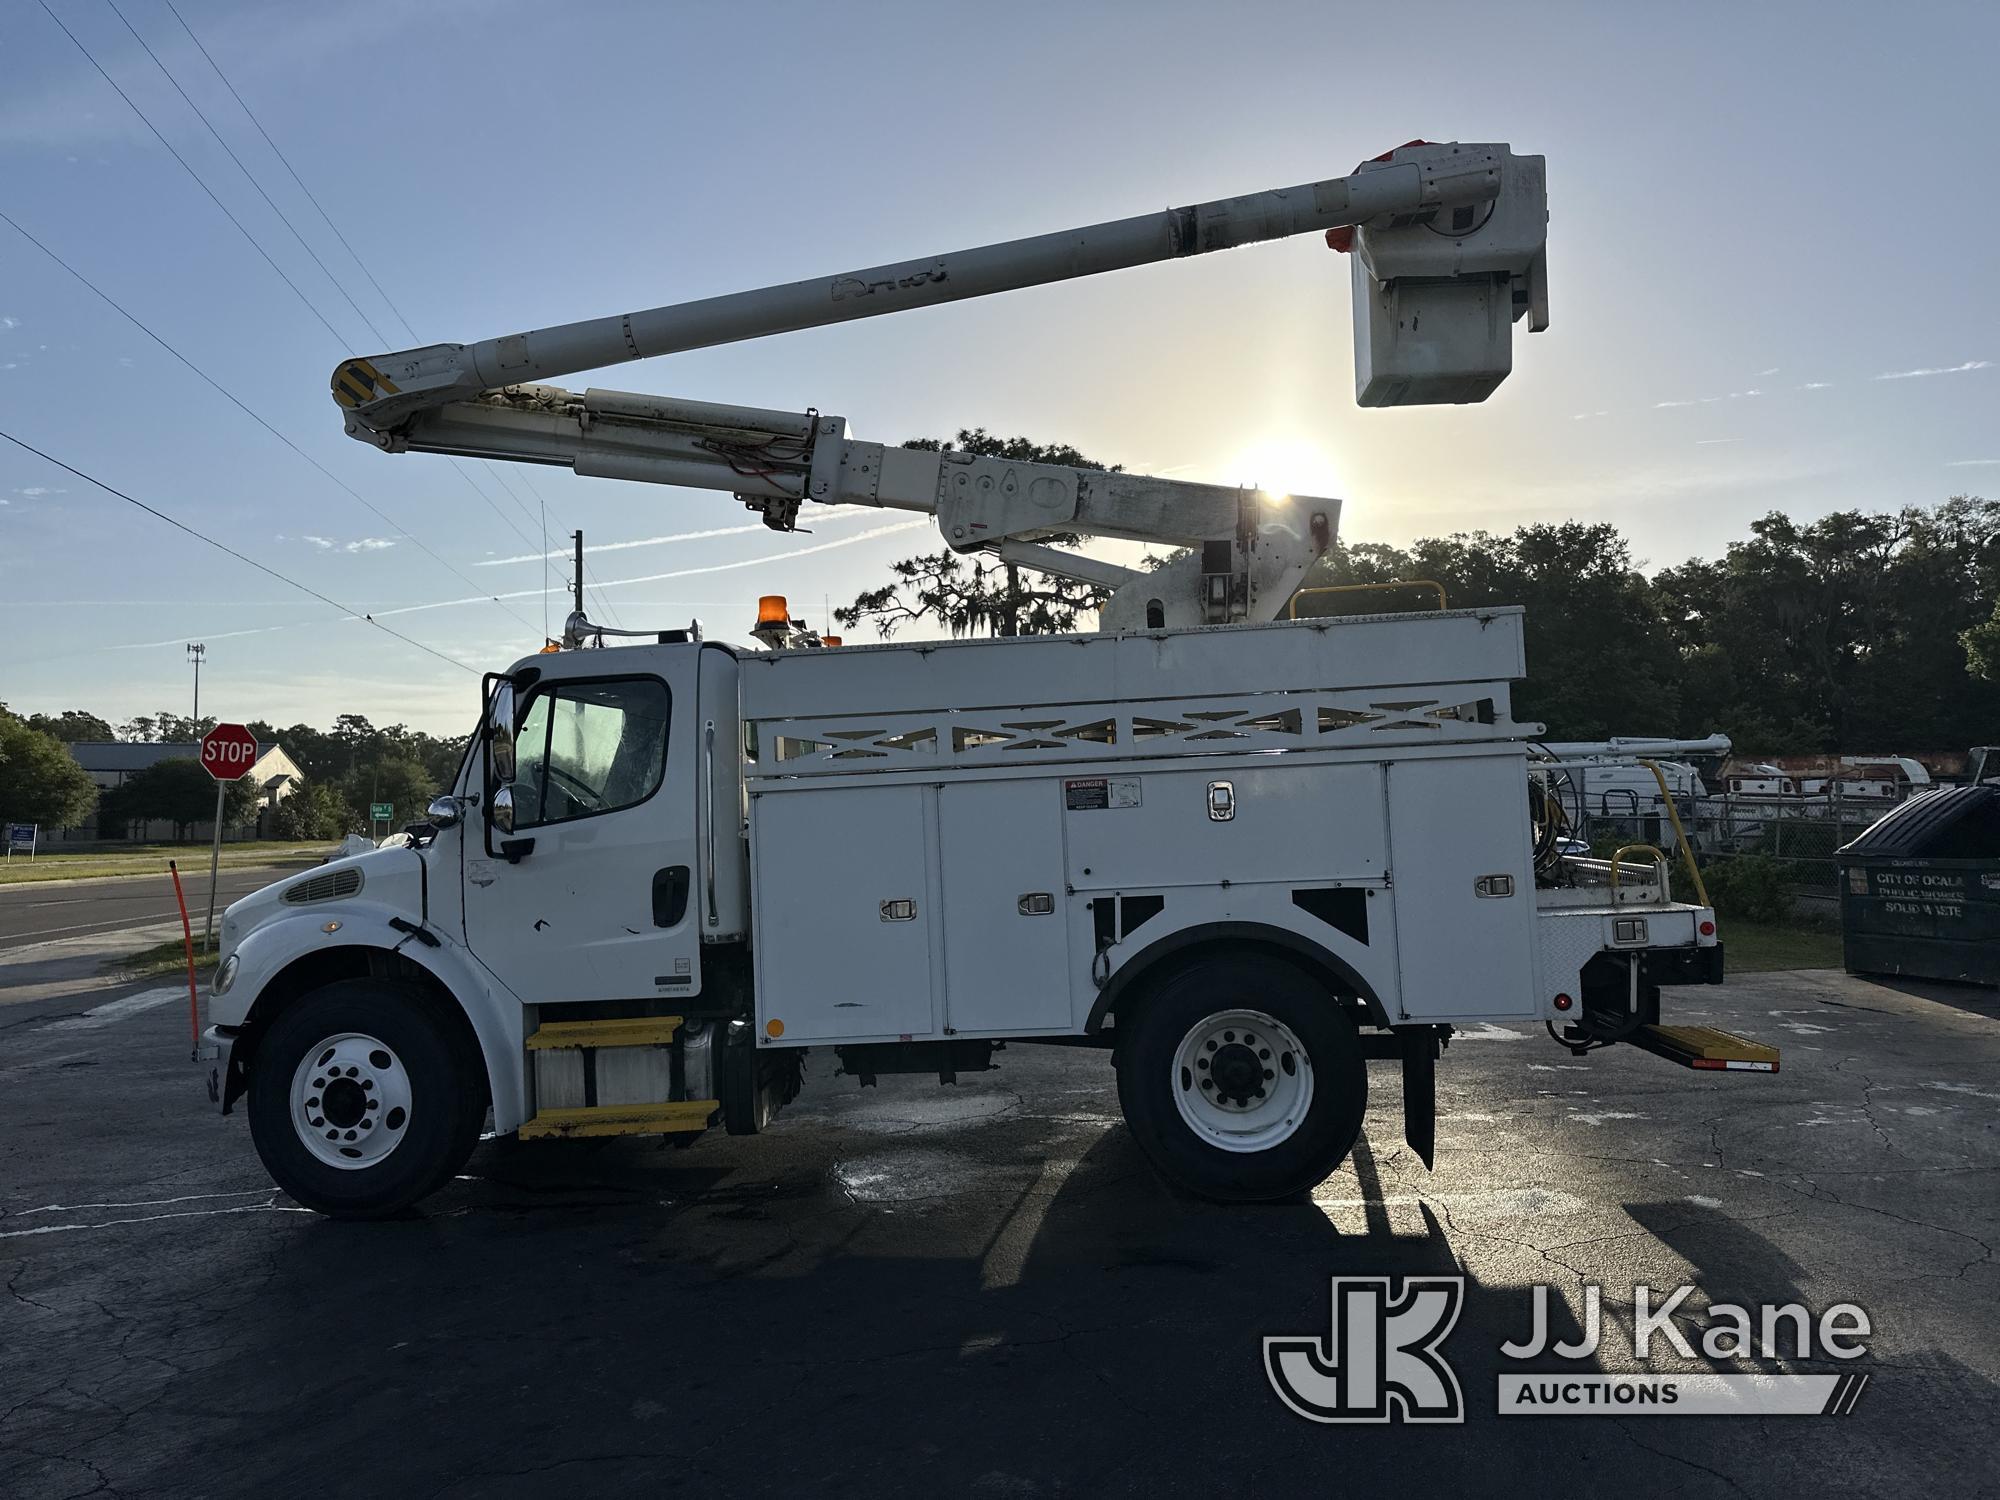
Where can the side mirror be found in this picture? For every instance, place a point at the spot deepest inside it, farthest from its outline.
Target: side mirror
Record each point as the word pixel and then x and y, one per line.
pixel 443 811
pixel 500 809
pixel 500 731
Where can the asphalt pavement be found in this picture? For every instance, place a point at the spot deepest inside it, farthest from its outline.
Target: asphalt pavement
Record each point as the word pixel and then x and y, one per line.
pixel 39 912
pixel 983 1289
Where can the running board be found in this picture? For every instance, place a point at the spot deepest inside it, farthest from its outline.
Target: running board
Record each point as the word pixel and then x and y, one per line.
pixel 638 1031
pixel 1708 1048
pixel 686 1117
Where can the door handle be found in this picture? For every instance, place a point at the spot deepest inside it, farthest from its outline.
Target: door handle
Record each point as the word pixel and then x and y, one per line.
pixel 670 895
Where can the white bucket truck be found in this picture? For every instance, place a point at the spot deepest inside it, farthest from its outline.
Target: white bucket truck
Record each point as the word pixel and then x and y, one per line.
pixel 1242 855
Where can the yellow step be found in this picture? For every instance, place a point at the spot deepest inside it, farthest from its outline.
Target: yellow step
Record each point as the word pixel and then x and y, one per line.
pixel 1708 1048
pixel 621 1119
pixel 639 1031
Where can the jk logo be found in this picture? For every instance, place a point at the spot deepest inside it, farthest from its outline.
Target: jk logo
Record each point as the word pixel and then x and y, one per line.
pixel 1381 1360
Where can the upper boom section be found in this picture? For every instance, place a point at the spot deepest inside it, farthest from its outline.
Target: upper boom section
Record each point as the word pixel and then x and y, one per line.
pixel 1449 196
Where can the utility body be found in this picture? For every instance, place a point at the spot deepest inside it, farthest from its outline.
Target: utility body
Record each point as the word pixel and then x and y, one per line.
pixel 1244 855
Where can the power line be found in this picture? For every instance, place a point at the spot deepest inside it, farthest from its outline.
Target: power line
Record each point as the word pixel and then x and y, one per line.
pixel 224 547
pixel 275 151
pixel 354 254
pixel 293 228
pixel 283 218
pixel 235 401
pixel 194 174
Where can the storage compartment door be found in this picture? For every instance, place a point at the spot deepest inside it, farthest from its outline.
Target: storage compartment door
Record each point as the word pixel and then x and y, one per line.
pixel 1452 821
pixel 844 913
pixel 1006 938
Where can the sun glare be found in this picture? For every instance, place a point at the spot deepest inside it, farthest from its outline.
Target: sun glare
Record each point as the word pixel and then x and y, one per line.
pixel 1285 466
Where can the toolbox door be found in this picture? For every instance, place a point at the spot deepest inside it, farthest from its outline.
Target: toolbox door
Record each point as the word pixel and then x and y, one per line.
pixel 1458 837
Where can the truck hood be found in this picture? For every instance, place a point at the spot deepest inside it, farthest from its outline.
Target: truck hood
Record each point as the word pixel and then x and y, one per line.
pixel 392 877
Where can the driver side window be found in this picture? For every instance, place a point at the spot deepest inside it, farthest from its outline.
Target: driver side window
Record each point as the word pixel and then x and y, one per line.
pixel 585 748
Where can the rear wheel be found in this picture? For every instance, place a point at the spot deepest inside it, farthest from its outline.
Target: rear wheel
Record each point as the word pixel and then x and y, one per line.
pixel 1242 1079
pixel 363 1098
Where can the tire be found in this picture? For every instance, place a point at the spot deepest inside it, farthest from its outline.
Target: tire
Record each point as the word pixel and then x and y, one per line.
pixel 364 1098
pixel 1197 1051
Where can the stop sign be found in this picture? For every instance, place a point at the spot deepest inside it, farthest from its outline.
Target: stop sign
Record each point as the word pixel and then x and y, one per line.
pixel 228 751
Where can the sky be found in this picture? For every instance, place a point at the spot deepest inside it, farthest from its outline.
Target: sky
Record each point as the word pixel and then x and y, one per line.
pixel 1772 248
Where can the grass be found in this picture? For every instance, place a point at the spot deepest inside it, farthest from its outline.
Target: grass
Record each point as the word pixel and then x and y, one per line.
pixel 1755 948
pixel 151 859
pixel 163 958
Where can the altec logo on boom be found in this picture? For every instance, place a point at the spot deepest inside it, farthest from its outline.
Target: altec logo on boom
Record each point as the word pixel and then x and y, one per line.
pixel 1382 1360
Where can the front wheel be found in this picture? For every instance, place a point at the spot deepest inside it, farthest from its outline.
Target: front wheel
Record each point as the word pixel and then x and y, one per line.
pixel 1242 1079
pixel 363 1098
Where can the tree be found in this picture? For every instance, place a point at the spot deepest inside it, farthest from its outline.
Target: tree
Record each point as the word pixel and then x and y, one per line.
pixel 1982 648
pixel 398 778
pixel 1849 633
pixel 40 781
pixel 72 726
pixel 180 792
pixel 1600 659
pixel 166 728
pixel 314 810
pixel 971 594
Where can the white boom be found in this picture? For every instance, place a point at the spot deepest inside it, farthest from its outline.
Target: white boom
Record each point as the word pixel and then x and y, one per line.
pixel 1448 251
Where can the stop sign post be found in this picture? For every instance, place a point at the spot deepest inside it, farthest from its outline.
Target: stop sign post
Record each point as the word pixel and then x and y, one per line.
pixel 228 751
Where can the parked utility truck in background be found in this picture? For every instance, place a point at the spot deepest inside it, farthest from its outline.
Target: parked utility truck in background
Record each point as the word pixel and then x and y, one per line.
pixel 1242 855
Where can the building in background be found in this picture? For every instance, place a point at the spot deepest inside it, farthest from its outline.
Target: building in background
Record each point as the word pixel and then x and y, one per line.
pixel 111 763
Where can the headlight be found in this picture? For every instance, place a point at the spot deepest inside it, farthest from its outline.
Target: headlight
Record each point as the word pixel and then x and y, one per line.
pixel 225 976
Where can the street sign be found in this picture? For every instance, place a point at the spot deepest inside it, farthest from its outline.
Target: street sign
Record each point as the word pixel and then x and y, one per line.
pixel 21 836
pixel 381 812
pixel 228 751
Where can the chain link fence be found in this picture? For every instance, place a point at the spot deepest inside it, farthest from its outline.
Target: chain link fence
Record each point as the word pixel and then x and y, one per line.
pixel 1780 857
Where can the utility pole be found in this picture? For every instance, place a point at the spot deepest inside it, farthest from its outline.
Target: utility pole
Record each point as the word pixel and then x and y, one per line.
pixel 195 652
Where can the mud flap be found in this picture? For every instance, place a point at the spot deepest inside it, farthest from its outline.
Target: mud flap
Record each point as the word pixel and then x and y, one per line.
pixel 1420 1050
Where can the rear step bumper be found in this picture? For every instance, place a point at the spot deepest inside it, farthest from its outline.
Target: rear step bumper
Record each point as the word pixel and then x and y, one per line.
pixel 1708 1048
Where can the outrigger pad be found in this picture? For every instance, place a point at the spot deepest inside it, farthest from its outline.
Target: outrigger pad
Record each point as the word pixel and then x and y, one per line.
pixel 1707 1047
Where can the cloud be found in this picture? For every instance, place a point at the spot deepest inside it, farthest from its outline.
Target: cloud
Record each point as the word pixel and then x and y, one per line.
pixel 1772 371
pixel 37 491
pixel 1971 463
pixel 1816 385
pixel 1711 442
pixel 1970 364
pixel 10 322
pixel 1663 405
pixel 360 544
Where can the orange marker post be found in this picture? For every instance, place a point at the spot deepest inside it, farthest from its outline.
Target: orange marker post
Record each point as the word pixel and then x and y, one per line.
pixel 187 939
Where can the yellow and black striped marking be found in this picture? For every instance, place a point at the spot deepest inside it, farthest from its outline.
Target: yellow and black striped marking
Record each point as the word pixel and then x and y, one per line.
pixel 356 382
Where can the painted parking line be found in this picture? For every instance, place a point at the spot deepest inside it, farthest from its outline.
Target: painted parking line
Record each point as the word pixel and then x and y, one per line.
pixel 114 1011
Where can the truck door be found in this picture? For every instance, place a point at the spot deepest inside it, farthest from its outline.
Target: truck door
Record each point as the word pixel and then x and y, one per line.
pixel 601 899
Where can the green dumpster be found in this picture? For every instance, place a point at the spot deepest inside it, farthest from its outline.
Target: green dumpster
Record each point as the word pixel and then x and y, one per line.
pixel 1920 890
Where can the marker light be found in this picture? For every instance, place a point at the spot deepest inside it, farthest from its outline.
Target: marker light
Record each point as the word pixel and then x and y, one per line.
pixel 1708 929
pixel 774 1028
pixel 1563 1002
pixel 829 640
pixel 771 610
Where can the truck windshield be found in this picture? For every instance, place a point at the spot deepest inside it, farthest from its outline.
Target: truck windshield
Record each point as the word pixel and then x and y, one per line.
pixel 590 747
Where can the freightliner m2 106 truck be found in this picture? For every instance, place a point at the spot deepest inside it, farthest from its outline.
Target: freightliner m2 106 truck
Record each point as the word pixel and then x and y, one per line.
pixel 1242 854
